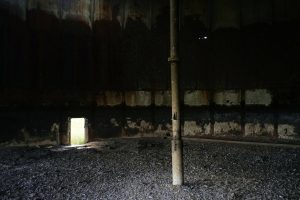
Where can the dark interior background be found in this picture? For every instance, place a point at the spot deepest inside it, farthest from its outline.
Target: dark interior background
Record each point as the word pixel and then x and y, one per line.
pixel 62 53
pixel 251 44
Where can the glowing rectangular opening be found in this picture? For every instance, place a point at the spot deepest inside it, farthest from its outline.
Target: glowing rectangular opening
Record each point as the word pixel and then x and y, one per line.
pixel 78 131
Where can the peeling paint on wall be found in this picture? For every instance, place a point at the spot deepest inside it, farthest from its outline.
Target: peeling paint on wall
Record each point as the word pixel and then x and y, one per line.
pixel 162 130
pixel 258 129
pixel 227 128
pixel 192 128
pixel 139 127
pixel 286 131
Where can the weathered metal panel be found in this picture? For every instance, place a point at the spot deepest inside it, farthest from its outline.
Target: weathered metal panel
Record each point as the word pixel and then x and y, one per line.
pixel 77 10
pixel 114 56
pixel 109 10
pixel 122 11
pixel 16 7
pixel 137 10
pixel 254 11
pixel 226 14
pixel 49 6
pixel 198 10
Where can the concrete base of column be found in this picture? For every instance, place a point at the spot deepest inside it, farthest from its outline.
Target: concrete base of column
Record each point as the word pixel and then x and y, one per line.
pixel 177 164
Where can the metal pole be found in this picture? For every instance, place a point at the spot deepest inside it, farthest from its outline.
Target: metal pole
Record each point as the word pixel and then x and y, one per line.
pixel 177 166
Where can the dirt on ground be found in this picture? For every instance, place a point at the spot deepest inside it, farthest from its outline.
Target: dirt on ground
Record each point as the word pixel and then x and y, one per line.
pixel 141 169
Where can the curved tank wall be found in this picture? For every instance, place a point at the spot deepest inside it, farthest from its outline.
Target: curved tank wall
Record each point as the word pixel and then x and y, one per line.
pixel 107 60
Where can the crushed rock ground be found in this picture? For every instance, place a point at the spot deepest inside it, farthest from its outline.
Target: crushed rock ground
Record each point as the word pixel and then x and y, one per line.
pixel 141 169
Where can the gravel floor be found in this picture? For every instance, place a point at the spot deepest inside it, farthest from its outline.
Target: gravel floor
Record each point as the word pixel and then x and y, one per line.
pixel 141 169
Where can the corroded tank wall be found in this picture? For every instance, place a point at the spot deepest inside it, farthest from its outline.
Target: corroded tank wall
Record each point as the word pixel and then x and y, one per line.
pixel 107 60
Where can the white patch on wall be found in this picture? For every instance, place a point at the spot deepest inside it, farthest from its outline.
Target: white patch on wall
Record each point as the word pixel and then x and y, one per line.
pixel 223 128
pixel 257 129
pixel 163 98
pixel 146 126
pixel 258 97
pixel 138 98
pixel 286 131
pixel 196 98
pixel 113 98
pixel 227 97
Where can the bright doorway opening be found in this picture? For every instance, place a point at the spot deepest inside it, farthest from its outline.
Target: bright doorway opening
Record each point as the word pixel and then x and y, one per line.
pixel 78 131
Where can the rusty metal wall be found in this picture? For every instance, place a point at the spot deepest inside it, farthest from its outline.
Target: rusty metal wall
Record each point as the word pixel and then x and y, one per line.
pixel 114 44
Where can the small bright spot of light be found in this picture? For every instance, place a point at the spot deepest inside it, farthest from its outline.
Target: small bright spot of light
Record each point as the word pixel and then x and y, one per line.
pixel 202 38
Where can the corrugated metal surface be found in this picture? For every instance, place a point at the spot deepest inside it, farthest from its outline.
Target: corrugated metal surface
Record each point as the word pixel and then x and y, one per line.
pixel 216 13
pixel 115 44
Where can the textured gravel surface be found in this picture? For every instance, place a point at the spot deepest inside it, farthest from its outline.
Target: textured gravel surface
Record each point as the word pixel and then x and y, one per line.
pixel 141 169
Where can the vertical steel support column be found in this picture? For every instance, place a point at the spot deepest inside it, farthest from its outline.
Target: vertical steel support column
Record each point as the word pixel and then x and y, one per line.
pixel 177 164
